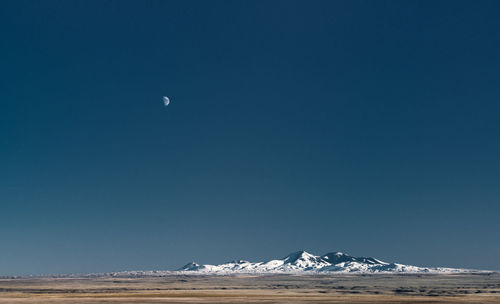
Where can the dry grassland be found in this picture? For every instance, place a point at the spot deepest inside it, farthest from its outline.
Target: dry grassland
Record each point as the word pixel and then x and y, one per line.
pixel 457 288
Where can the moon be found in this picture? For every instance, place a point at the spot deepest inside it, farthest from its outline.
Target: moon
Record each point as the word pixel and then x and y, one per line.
pixel 166 100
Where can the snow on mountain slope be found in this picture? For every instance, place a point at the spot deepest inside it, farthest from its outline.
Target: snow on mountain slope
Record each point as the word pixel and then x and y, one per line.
pixel 303 262
pixel 299 262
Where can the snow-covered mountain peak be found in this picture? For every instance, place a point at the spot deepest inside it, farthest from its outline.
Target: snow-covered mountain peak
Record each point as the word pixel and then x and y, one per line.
pixel 299 262
pixel 304 262
pixel 299 255
pixel 190 266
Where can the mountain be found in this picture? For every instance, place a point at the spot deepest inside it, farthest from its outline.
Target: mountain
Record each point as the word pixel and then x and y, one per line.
pixel 304 262
pixel 299 262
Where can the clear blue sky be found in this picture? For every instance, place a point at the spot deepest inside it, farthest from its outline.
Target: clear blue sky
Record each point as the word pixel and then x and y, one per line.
pixel 369 127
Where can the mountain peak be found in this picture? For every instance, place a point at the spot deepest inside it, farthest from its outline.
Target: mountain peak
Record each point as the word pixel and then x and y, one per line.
pixel 292 257
pixel 337 257
pixel 304 262
pixel 190 266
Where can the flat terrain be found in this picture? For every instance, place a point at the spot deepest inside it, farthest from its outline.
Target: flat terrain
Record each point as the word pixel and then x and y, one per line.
pixel 453 288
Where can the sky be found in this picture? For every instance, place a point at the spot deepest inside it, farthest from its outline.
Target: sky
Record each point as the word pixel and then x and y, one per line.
pixel 367 127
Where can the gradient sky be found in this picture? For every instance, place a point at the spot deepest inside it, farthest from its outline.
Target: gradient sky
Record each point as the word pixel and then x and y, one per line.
pixel 368 127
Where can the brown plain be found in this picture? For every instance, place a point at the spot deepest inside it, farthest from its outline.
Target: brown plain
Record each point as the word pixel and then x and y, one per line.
pixel 453 288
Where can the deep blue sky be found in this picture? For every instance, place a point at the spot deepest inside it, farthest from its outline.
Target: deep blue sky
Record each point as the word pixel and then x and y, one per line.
pixel 368 127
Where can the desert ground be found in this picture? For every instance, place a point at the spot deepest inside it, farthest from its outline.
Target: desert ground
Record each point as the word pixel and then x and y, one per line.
pixel 452 288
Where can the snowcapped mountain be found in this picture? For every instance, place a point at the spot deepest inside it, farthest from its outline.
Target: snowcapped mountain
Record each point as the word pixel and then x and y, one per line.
pixel 304 262
pixel 299 262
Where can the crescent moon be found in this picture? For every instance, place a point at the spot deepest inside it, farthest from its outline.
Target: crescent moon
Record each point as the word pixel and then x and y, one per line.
pixel 166 100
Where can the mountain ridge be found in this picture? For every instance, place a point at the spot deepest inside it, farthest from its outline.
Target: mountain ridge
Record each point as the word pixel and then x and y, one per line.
pixel 299 262
pixel 304 262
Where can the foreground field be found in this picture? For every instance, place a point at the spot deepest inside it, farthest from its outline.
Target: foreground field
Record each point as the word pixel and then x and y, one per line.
pixel 456 288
